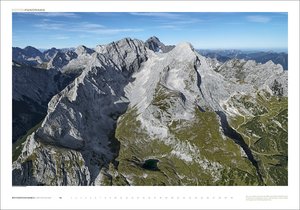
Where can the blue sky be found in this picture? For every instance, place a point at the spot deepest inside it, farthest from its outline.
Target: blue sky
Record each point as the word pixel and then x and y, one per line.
pixel 202 30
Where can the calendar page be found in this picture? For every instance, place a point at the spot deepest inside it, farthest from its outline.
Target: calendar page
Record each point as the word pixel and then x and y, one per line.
pixel 150 104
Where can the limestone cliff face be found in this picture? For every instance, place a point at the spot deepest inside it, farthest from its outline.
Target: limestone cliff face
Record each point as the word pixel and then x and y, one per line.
pixel 81 119
pixel 129 106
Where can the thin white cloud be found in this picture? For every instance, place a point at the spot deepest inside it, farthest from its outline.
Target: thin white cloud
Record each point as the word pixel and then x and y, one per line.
pixel 55 14
pixel 179 24
pixel 92 25
pixel 258 19
pixel 187 21
pixel 168 26
pixel 49 26
pixel 62 37
pixel 82 27
pixel 190 21
pixel 171 20
pixel 116 30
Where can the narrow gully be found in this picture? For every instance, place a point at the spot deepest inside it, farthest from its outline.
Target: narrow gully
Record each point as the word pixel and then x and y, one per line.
pixel 238 139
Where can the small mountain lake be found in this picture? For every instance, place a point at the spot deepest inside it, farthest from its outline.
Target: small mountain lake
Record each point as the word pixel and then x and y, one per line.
pixel 151 164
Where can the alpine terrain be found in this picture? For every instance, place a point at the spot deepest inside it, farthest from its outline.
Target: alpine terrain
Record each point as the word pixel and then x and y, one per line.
pixel 144 113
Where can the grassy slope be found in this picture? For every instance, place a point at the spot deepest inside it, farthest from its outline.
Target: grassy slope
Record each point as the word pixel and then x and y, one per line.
pixel 267 136
pixel 216 160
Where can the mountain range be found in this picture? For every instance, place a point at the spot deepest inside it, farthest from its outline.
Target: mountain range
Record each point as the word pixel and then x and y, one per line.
pixel 144 113
pixel 256 55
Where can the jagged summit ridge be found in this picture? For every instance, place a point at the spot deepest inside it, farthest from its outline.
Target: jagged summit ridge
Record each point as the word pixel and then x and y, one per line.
pixel 154 44
pixel 80 50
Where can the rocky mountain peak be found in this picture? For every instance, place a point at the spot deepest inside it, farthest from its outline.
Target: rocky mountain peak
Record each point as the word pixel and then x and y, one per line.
pixel 184 46
pixel 154 44
pixel 49 54
pixel 51 50
pixel 61 59
pixel 127 54
pixel 29 55
pixel 83 50
pixel 183 51
pixel 153 39
pixel 32 51
pixel 270 62
pixel 99 48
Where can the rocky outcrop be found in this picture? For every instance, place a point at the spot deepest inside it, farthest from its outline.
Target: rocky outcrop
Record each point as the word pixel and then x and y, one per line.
pixel 154 44
pixel 32 90
pixel 60 166
pixel 127 54
pixel 60 59
pixel 29 55
pixel 37 77
pixel 250 72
